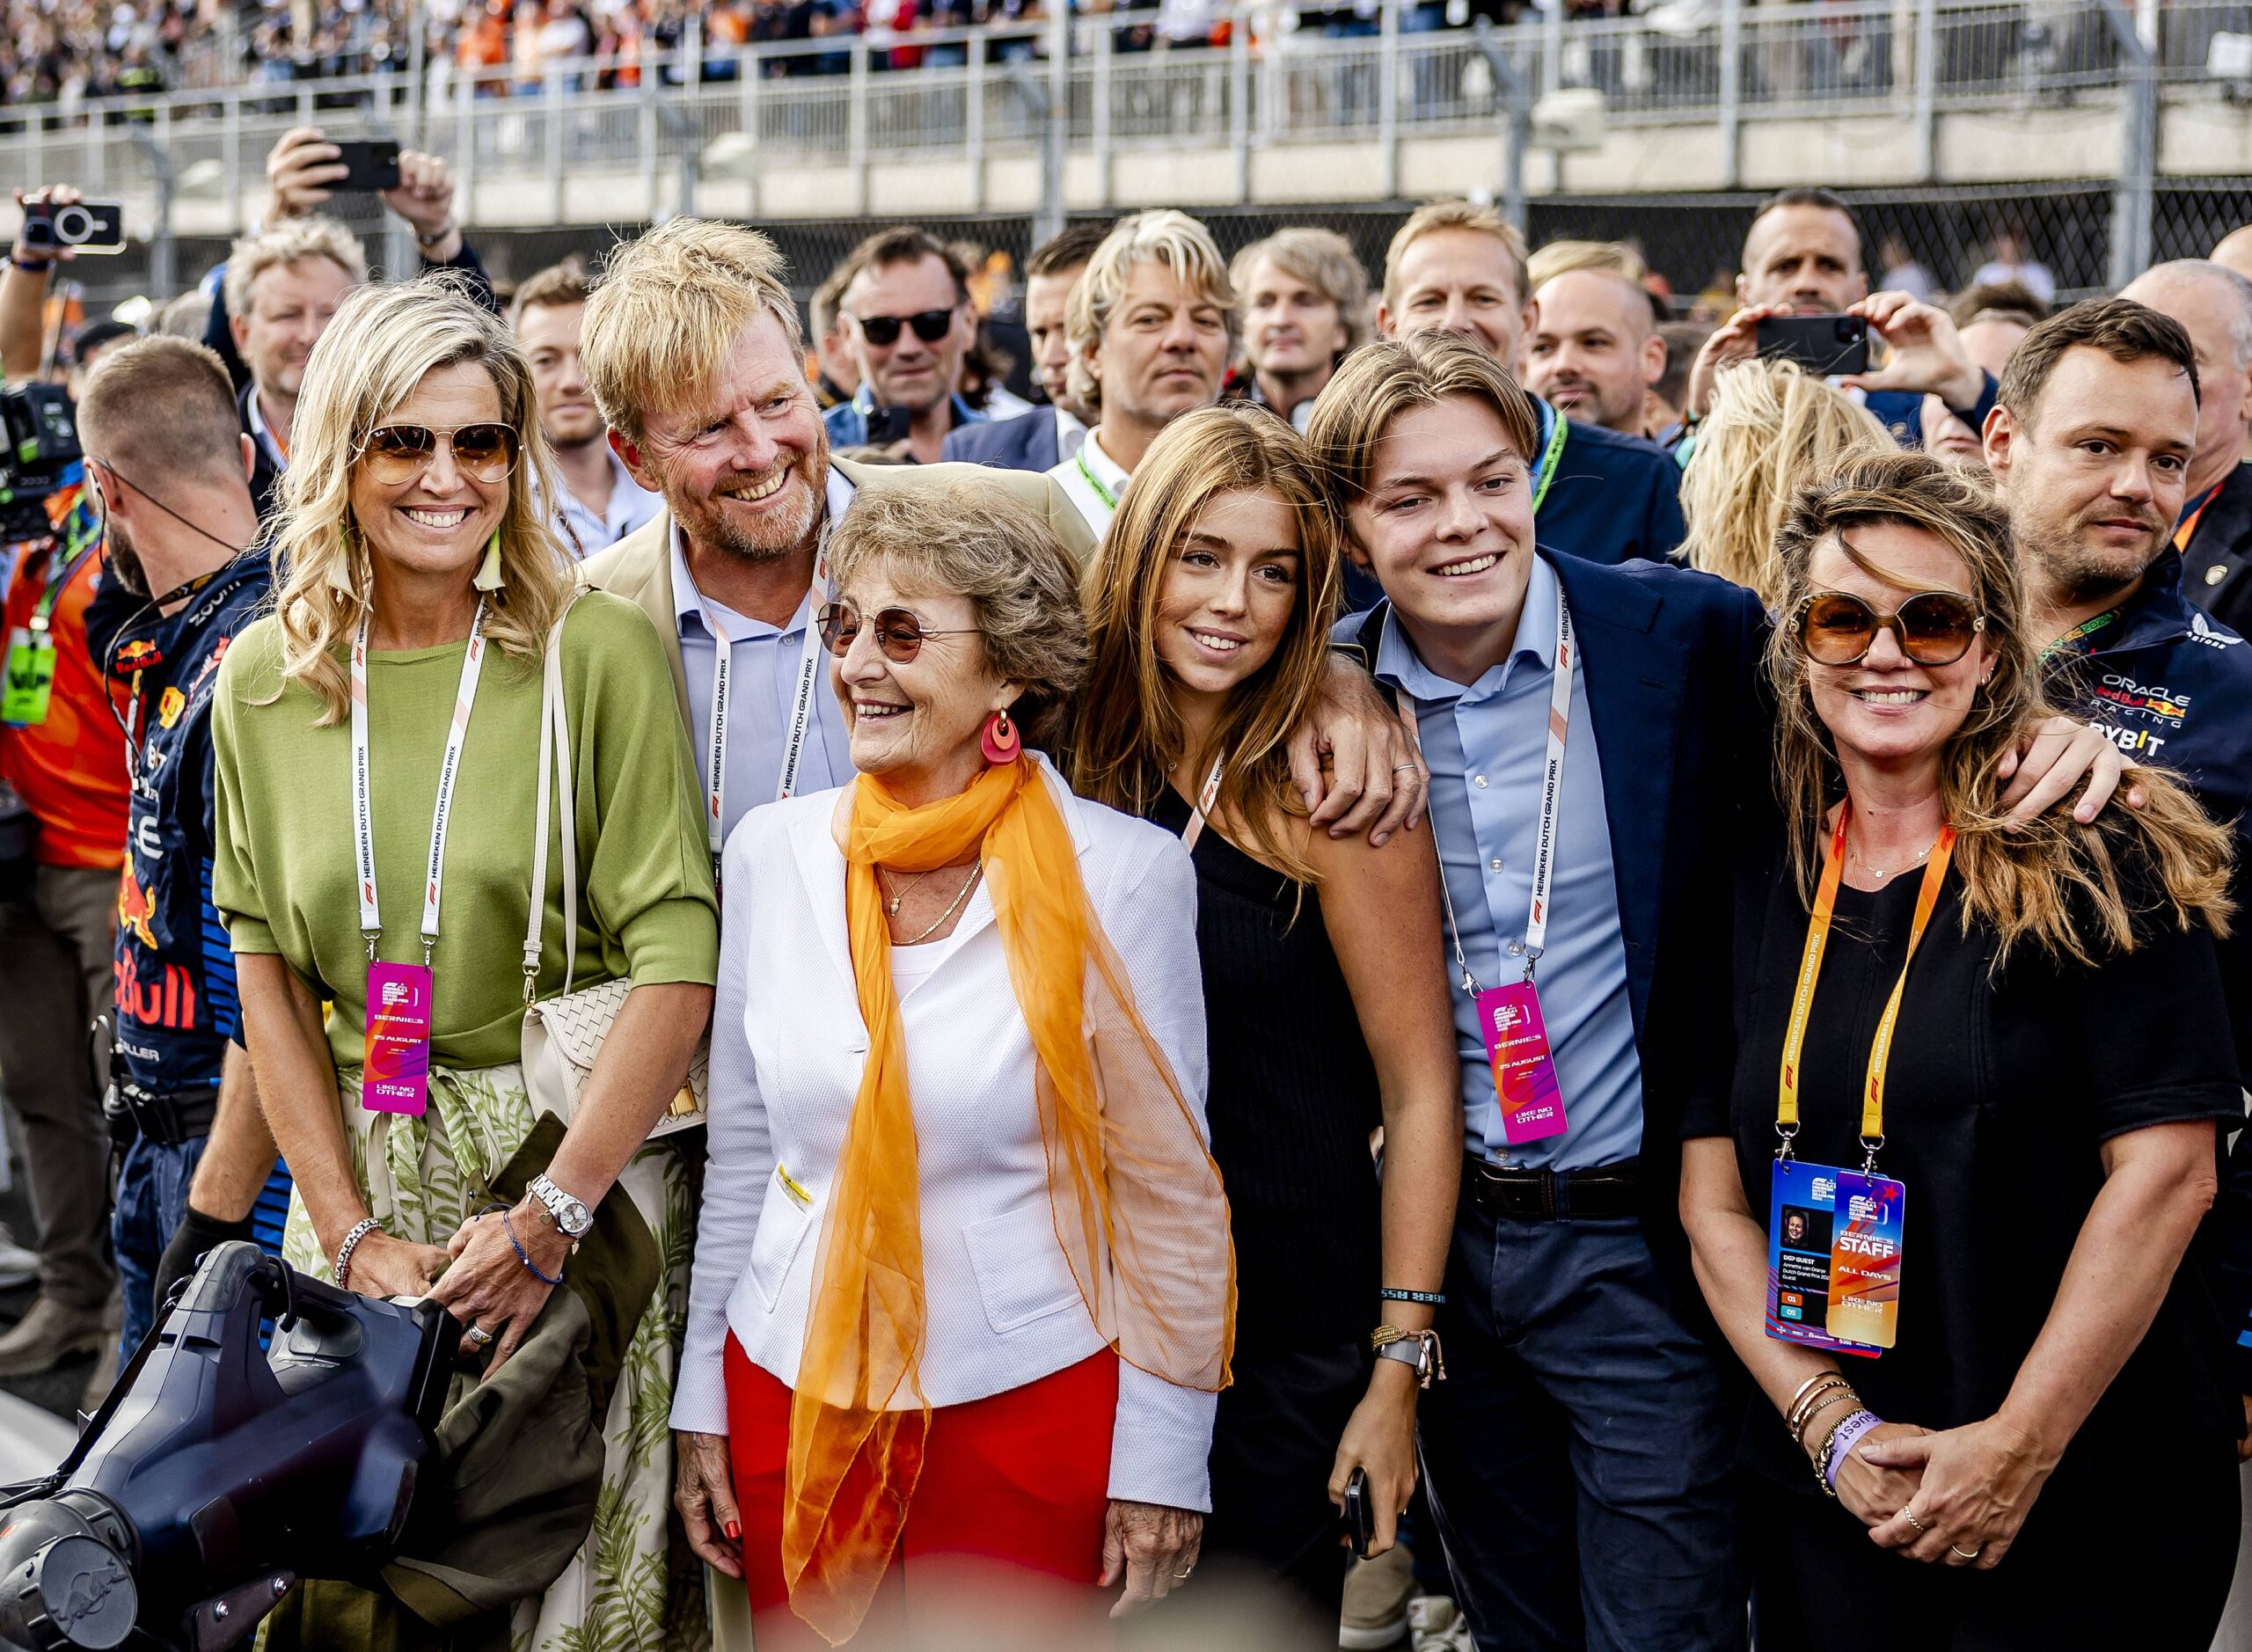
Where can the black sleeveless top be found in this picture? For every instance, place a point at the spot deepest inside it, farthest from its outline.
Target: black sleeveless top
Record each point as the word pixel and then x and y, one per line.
pixel 1293 1100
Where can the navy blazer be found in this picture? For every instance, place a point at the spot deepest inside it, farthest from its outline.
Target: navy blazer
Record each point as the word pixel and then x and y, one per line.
pixel 1026 442
pixel 1902 411
pixel 1685 736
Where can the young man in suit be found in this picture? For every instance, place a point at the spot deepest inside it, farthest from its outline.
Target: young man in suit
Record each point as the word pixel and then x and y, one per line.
pixel 1047 436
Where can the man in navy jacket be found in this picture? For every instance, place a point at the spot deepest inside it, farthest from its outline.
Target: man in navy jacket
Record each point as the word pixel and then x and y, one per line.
pixel 1045 437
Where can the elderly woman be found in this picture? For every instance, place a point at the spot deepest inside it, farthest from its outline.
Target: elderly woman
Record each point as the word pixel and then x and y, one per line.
pixel 960 1037
pixel 378 739
pixel 1944 1215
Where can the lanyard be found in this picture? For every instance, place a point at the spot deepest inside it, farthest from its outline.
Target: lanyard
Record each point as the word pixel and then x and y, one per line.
pixel 1552 792
pixel 1810 970
pixel 43 613
pixel 1558 427
pixel 2086 628
pixel 1094 481
pixel 1205 798
pixel 473 663
pixel 793 745
pixel 2187 527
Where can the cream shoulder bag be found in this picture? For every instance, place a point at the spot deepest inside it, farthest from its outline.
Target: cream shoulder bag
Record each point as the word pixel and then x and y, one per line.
pixel 563 1034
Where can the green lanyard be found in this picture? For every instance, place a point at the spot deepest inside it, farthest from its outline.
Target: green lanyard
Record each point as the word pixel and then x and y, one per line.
pixel 29 681
pixel 2086 628
pixel 1094 481
pixel 1549 456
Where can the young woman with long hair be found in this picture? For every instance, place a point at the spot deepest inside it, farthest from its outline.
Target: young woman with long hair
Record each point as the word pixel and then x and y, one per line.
pixel 1209 606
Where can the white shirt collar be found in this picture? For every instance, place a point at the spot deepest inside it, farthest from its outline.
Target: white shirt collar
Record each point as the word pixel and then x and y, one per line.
pixel 1101 466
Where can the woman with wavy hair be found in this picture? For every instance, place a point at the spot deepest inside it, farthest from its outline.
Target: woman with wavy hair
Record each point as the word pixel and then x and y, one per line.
pixel 1210 602
pixel 379 739
pixel 1771 428
pixel 1955 1216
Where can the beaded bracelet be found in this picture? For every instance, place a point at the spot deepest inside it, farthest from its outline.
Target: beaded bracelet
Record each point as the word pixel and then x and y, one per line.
pixel 1430 1299
pixel 524 1256
pixel 360 1228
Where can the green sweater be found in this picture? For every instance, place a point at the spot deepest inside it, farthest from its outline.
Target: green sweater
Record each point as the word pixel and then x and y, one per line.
pixel 283 879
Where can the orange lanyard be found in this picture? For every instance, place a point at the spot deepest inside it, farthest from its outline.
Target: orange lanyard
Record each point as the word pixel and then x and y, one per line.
pixel 1810 970
pixel 2188 531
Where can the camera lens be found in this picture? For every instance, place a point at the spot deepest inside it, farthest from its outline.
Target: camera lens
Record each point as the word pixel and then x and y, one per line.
pixel 1848 329
pixel 73 224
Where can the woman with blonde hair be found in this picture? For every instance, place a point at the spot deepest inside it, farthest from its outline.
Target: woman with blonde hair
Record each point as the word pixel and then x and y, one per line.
pixel 380 738
pixel 1770 428
pixel 1955 1216
pixel 1211 600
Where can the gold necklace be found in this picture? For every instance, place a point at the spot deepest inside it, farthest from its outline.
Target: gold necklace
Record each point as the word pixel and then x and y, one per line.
pixel 953 906
pixel 891 904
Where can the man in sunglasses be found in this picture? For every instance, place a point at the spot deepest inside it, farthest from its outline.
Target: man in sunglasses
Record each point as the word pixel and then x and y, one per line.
pixel 910 320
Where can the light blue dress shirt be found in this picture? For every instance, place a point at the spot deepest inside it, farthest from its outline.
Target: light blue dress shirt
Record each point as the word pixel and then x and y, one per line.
pixel 631 506
pixel 1485 745
pixel 763 676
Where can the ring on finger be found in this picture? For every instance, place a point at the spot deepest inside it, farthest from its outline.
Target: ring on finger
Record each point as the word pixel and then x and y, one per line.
pixel 1967 1554
pixel 1912 1521
pixel 1181 1577
pixel 1404 768
pixel 478 1335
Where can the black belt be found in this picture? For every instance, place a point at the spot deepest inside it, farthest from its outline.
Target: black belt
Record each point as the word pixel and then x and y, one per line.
pixel 1549 1196
pixel 170 1119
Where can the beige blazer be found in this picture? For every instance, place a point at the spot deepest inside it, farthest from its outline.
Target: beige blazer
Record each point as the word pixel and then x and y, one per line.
pixel 638 567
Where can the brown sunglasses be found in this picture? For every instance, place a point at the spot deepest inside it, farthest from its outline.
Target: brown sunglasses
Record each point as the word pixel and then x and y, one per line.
pixel 1931 627
pixel 898 632
pixel 399 453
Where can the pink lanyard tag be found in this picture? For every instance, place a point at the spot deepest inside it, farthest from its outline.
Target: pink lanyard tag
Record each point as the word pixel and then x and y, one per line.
pixel 1525 1071
pixel 397 1075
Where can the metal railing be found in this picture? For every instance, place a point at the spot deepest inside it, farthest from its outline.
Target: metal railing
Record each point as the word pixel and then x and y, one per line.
pixel 970 94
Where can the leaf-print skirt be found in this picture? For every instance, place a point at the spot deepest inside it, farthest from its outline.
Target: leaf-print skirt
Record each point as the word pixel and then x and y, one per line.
pixel 628 1589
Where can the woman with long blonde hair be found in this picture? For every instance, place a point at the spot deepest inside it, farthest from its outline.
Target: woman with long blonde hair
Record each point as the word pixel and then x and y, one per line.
pixel 1955 1216
pixel 1210 602
pixel 1771 427
pixel 379 741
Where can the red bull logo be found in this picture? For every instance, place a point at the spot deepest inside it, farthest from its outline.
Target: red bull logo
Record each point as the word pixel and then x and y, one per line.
pixel 167 1001
pixel 133 910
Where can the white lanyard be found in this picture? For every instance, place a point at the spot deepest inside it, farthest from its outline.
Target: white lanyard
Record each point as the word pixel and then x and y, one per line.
pixel 794 744
pixel 1552 793
pixel 473 663
pixel 1205 798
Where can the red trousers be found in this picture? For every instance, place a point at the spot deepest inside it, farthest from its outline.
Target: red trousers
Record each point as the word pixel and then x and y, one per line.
pixel 1019 1480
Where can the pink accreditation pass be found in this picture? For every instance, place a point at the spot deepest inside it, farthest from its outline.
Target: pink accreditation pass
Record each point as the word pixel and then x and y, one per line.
pixel 1524 1073
pixel 397 1075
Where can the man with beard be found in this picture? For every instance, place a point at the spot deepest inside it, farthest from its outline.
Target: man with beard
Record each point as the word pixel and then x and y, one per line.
pixel 599 502
pixel 1152 322
pixel 910 321
pixel 1594 352
pixel 1046 437
pixel 173 472
pixel 2214 535
pixel 1802 257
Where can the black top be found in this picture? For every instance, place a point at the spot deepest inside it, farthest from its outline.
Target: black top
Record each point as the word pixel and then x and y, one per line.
pixel 1292 1101
pixel 2002 1088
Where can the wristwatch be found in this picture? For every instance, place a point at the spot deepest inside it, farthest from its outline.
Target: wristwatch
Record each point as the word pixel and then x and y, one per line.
pixel 569 1214
pixel 1417 1349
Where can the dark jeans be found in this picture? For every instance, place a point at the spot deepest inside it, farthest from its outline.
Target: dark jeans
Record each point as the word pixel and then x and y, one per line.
pixel 151 1199
pixel 1577 1454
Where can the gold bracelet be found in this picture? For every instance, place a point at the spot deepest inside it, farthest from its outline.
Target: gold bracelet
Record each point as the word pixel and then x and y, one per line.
pixel 1835 1397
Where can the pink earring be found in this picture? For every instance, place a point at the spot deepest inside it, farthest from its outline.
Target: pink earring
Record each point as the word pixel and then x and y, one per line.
pixel 1000 741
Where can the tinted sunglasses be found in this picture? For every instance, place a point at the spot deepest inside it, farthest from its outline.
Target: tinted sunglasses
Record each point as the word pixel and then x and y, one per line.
pixel 929 326
pixel 399 453
pixel 898 632
pixel 1931 628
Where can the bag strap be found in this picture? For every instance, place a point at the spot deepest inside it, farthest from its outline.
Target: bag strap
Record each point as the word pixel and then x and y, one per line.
pixel 554 758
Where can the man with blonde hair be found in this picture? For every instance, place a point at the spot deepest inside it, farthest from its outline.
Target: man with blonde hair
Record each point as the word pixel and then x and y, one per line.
pixel 1559 258
pixel 1152 324
pixel 1458 267
pixel 692 349
pixel 283 288
pixel 1305 302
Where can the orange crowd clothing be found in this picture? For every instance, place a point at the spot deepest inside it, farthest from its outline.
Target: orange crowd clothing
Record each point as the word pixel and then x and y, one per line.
pixel 69 769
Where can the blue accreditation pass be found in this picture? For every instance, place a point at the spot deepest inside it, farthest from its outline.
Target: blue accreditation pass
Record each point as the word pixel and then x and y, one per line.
pixel 1802 1227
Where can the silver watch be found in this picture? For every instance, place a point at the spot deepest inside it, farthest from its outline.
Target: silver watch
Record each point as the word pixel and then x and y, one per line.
pixel 1419 1349
pixel 569 1214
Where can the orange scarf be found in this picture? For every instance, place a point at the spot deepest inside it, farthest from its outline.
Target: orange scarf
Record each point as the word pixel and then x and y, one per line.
pixel 1138 1209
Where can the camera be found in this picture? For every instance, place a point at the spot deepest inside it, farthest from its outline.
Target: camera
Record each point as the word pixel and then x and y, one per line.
pixel 39 451
pixel 85 226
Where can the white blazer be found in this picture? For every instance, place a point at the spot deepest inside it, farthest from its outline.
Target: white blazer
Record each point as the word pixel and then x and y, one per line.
pixel 788 1046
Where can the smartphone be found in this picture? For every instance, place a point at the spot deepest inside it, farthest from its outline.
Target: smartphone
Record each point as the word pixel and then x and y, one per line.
pixel 1825 346
pixel 373 163
pixel 888 425
pixel 85 226
pixel 1358 1518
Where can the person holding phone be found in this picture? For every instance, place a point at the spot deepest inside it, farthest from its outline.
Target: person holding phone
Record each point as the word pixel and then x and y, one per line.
pixel 1211 601
pixel 2012 1424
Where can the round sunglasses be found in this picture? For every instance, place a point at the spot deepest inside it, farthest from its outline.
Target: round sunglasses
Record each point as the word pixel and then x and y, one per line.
pixel 1930 628
pixel 395 454
pixel 929 326
pixel 899 633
